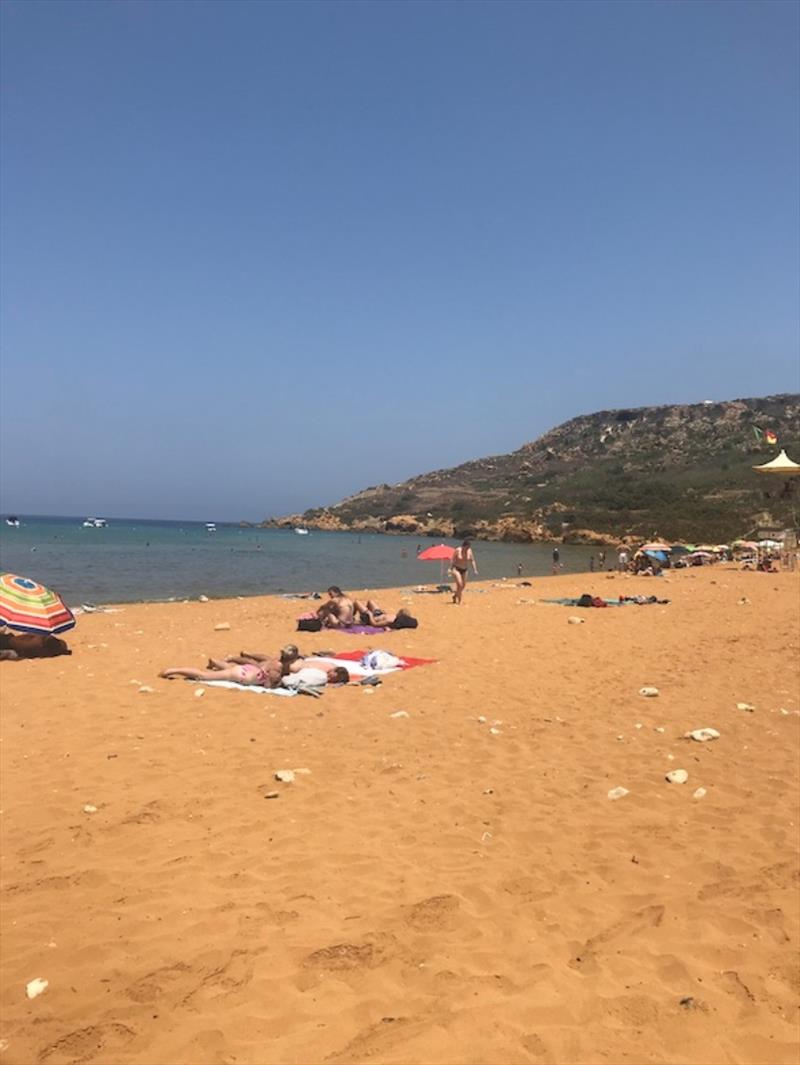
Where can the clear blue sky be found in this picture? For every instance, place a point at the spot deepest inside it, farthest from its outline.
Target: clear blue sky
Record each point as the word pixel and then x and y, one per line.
pixel 257 256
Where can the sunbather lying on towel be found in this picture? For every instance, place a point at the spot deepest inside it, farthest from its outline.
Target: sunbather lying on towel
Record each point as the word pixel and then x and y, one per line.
pixel 370 613
pixel 310 673
pixel 280 662
pixel 265 675
pixel 263 671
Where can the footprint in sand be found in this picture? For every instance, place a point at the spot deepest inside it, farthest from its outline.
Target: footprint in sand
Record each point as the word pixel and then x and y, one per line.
pixel 437 913
pixel 86 1044
pixel 585 960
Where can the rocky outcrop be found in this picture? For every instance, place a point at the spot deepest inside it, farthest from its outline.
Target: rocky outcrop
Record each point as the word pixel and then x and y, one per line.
pixel 683 472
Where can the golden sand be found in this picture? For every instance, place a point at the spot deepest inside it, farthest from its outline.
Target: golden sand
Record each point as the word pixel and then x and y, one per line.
pixel 432 891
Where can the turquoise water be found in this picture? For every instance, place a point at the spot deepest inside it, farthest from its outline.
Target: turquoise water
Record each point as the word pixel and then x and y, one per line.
pixel 134 560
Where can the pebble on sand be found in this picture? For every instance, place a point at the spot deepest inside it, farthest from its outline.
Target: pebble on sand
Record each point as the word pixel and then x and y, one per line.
pixel 648 693
pixel 677 776
pixel 89 809
pixel 702 735
pixel 400 713
pixel 747 707
pixel 618 793
pixel 199 692
pixel 576 621
pixel 223 626
pixel 36 987
pixel 285 776
pixel 145 689
pixel 202 599
pixel 699 793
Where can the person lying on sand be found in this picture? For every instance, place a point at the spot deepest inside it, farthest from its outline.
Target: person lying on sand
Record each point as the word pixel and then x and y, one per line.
pixel 312 673
pixel 292 665
pixel 370 613
pixel 281 662
pixel 264 671
pixel 265 675
pixel 338 611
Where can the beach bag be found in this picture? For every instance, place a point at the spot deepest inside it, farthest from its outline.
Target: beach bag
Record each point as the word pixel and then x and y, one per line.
pixel 404 621
pixel 585 600
pixel 309 623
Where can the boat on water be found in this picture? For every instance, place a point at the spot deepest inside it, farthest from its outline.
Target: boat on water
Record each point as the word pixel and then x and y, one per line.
pixel 13 521
pixel 211 526
pixel 95 523
pixel 302 532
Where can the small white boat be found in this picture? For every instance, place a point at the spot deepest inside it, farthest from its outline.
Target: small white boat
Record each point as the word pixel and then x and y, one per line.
pixel 12 521
pixel 211 526
pixel 95 523
pixel 302 532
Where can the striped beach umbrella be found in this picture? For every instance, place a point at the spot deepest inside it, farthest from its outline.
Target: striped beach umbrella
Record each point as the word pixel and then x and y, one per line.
pixel 30 607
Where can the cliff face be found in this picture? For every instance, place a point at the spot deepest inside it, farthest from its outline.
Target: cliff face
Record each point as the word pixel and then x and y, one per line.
pixel 684 472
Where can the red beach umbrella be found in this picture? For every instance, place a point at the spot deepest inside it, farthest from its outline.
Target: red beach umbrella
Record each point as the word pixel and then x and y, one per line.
pixel 431 554
pixel 441 553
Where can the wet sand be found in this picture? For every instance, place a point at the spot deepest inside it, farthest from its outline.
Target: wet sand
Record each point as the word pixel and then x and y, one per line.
pixel 432 892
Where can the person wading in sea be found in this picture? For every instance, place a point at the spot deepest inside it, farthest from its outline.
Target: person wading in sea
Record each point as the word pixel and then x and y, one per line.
pixel 459 564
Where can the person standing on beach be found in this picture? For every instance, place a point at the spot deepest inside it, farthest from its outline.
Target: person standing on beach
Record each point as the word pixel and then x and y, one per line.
pixel 591 563
pixel 622 560
pixel 556 561
pixel 459 565
pixel 601 559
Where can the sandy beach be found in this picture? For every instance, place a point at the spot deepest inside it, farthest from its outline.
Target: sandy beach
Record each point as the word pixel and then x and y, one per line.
pixel 451 887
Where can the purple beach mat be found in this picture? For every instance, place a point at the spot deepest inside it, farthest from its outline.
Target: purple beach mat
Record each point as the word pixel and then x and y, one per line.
pixel 359 630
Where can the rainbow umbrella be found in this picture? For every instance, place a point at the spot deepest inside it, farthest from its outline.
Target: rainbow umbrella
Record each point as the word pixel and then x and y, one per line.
pixel 30 607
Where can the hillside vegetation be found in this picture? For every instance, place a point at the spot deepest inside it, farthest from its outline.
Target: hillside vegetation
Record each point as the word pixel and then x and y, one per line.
pixel 683 472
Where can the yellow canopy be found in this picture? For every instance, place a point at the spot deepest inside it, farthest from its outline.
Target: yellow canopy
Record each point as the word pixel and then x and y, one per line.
pixel 782 465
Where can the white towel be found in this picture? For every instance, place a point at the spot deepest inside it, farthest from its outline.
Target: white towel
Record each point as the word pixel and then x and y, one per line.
pixel 247 687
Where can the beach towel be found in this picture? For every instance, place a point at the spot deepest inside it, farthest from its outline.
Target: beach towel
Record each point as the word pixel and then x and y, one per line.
pixel 360 630
pixel 246 687
pixel 587 600
pixel 352 662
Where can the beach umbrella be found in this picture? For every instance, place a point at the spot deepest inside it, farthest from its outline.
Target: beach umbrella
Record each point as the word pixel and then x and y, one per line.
pixel 440 553
pixel 30 607
pixel 656 545
pixel 680 549
pixel 781 465
pixel 661 556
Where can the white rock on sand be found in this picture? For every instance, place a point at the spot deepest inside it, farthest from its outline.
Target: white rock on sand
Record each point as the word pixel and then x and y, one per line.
pixel 677 776
pixel 699 793
pixel 648 693
pixel 747 707
pixel 702 735
pixel 285 776
pixel 222 627
pixel 36 987
pixel 618 793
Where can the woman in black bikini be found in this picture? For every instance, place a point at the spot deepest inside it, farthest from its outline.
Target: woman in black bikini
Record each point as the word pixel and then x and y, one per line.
pixel 459 564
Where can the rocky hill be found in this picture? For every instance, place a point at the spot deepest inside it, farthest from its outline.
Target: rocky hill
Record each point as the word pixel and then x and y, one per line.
pixel 683 472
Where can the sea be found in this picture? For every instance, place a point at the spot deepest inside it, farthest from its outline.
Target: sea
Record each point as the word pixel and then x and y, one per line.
pixel 138 560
